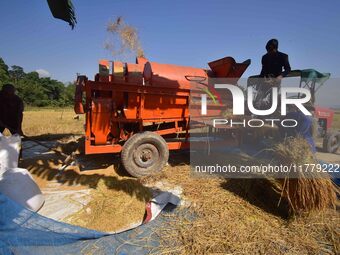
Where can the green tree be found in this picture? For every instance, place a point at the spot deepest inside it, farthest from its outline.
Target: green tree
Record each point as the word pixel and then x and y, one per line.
pixel 31 91
pixel 53 88
pixel 16 73
pixel 36 91
pixel 69 93
pixel 4 75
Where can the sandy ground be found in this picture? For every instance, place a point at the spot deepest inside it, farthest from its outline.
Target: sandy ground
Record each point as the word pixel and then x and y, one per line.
pixel 327 157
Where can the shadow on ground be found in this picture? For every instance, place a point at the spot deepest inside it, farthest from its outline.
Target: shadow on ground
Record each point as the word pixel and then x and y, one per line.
pixel 260 193
pixel 46 168
pixel 49 137
pixel 94 168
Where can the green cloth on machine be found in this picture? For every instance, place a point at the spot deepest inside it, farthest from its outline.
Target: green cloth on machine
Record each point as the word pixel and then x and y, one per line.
pixel 308 75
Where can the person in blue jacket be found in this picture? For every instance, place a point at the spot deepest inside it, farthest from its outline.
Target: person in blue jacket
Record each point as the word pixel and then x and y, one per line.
pixel 304 127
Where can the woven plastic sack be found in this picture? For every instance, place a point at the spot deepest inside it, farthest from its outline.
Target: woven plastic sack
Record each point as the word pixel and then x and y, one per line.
pixel 9 151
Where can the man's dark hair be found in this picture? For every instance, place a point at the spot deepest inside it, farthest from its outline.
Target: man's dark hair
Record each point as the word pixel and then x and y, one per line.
pixel 272 44
pixel 8 87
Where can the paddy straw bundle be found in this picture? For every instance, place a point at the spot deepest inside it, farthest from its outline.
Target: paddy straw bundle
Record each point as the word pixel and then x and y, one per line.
pixel 308 189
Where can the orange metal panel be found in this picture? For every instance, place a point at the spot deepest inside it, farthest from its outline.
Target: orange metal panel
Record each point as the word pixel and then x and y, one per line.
pixel 141 60
pixel 178 145
pixel 100 119
pixel 134 73
pixel 222 67
pixel 228 68
pixel 118 71
pixel 165 75
pixel 99 149
pixel 104 67
pixel 168 131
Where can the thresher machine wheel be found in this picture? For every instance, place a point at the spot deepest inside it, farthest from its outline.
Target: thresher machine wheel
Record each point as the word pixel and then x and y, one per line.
pixel 144 153
pixel 331 142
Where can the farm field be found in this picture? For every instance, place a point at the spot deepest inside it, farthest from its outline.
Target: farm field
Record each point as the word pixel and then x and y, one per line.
pixel 336 124
pixel 142 127
pixel 48 123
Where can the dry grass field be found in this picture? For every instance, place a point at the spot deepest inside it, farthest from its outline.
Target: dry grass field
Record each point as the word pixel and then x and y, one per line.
pixel 336 123
pixel 51 123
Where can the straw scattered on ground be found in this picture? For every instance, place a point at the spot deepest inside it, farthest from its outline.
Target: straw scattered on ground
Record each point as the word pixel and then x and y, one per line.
pixel 111 210
pixel 240 216
pixel 226 216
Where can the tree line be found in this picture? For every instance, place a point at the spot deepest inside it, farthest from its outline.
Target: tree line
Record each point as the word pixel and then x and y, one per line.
pixel 36 91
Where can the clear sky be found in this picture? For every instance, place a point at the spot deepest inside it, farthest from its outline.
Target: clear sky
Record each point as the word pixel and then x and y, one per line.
pixel 185 32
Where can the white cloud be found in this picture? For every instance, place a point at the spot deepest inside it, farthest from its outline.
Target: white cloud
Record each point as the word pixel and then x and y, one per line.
pixel 43 73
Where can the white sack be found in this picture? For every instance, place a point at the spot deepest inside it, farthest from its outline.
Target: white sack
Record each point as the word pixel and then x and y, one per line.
pixel 9 151
pixel 18 184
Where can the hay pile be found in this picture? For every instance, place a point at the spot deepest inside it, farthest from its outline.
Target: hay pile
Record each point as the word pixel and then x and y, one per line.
pixel 307 190
pixel 238 217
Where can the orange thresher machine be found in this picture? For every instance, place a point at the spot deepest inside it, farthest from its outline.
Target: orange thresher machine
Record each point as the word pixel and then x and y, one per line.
pixel 142 109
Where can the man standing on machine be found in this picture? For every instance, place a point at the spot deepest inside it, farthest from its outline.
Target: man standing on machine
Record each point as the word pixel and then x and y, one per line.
pixel 274 61
pixel 275 66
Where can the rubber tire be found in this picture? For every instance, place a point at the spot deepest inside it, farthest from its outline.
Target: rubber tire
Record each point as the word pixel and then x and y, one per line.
pixel 327 142
pixel 146 139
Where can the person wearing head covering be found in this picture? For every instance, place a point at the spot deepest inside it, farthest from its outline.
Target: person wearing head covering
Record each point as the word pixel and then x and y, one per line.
pixel 275 64
pixel 11 110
